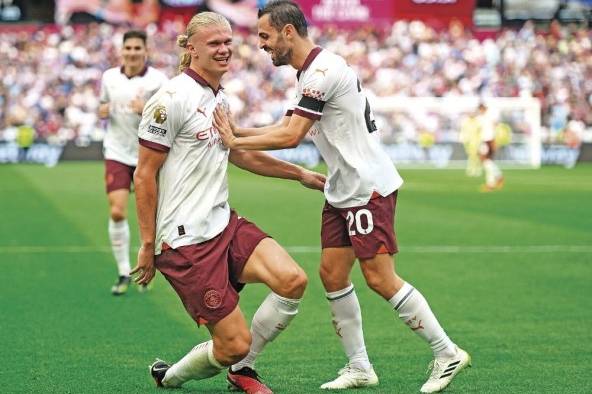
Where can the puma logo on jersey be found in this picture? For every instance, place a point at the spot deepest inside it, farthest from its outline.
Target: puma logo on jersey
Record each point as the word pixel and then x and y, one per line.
pixel 318 70
pixel 201 111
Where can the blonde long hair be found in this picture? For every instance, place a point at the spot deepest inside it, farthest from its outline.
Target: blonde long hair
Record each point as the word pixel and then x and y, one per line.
pixel 198 21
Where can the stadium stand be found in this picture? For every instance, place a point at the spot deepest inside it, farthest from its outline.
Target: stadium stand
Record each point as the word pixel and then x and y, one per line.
pixel 49 77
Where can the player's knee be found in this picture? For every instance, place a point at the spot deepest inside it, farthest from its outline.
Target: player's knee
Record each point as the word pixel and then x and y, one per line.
pixel 293 284
pixel 374 280
pixel 332 280
pixel 298 283
pixel 325 273
pixel 117 213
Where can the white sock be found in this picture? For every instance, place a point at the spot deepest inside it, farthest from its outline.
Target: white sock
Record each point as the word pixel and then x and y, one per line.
pixel 198 364
pixel 414 311
pixel 492 172
pixel 496 171
pixel 272 317
pixel 120 239
pixel 347 320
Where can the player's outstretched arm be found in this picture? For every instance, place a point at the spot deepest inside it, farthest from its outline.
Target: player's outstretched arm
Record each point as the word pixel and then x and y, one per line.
pixel 251 131
pixel 149 162
pixel 261 163
pixel 280 137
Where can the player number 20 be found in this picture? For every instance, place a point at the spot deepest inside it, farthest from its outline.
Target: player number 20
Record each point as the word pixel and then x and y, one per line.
pixel 357 220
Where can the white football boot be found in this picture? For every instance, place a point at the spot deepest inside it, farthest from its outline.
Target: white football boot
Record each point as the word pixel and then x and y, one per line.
pixel 444 370
pixel 352 377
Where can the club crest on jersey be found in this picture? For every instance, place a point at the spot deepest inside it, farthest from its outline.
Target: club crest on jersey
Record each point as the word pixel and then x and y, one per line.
pixel 160 114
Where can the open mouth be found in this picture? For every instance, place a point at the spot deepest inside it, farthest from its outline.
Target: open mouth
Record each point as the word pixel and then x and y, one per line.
pixel 223 60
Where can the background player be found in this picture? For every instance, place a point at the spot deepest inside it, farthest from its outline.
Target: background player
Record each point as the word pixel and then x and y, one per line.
pixel 470 137
pixel 124 91
pixel 493 175
pixel 361 194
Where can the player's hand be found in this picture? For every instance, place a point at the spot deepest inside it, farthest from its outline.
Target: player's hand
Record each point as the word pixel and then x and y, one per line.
pixel 104 110
pixel 313 180
pixel 145 266
pixel 224 126
pixel 137 105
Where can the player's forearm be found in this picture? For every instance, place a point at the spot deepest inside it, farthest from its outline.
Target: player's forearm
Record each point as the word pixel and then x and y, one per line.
pixel 146 200
pixel 253 131
pixel 280 138
pixel 261 163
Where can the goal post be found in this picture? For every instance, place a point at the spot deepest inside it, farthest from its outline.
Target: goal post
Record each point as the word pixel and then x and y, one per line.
pixel 426 131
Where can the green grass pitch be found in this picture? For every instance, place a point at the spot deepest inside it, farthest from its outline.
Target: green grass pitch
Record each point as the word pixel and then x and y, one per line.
pixel 509 275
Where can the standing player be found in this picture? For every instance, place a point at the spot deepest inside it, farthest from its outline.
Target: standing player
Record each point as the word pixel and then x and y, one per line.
pixel 361 194
pixel 203 248
pixel 470 137
pixel 124 90
pixel 493 175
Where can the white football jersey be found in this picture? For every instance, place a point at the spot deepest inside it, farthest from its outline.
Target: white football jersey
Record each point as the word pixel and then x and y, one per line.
pixel 192 182
pixel 345 133
pixel 121 141
pixel 487 126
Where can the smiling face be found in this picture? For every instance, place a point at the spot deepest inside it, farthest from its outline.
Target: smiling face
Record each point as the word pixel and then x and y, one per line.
pixel 274 42
pixel 134 53
pixel 211 49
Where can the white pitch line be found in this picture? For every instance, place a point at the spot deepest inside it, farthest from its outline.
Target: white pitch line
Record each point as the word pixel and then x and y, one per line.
pixel 31 249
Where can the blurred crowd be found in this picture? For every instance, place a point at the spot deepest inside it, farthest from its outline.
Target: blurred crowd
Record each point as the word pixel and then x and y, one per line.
pixel 49 77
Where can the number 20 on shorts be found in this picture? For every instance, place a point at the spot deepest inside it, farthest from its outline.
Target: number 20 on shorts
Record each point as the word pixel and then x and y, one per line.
pixel 355 220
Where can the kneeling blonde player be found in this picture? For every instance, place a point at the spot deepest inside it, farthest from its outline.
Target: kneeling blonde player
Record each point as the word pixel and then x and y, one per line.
pixel 188 231
pixel 361 194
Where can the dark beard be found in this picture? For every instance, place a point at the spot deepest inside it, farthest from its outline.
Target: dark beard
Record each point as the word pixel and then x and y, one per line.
pixel 283 59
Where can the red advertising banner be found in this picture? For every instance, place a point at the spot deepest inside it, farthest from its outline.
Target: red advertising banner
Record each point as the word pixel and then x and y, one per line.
pixel 348 13
pixel 437 13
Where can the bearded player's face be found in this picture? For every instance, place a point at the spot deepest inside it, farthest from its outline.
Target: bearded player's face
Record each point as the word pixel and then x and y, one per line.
pixel 273 42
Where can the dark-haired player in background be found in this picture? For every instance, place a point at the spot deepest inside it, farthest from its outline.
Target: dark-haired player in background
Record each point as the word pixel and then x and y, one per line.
pixel 124 91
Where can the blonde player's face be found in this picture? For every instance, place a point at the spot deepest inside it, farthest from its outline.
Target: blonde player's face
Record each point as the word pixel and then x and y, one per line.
pixel 273 42
pixel 213 47
pixel 134 53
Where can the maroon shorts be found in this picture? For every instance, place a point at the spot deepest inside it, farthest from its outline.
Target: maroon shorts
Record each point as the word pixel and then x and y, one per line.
pixel 369 229
pixel 206 275
pixel 487 149
pixel 118 175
